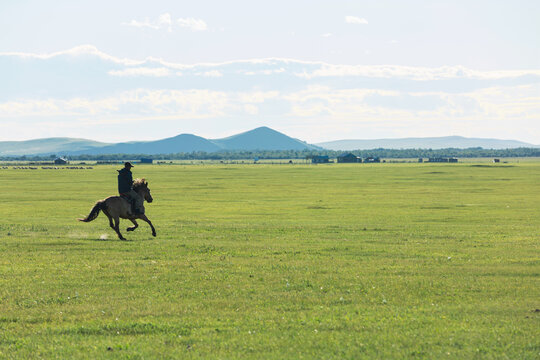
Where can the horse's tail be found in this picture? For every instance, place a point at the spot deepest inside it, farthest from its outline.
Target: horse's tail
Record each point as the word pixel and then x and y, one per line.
pixel 100 205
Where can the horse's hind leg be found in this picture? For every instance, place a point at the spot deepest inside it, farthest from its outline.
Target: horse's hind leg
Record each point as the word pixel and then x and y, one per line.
pixel 144 218
pixel 117 228
pixel 132 227
pixel 110 220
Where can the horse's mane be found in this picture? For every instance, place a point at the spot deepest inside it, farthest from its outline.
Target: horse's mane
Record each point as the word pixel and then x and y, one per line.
pixel 138 183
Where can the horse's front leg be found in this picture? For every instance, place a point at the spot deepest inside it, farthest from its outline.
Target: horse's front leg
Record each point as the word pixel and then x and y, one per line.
pixel 144 218
pixel 132 227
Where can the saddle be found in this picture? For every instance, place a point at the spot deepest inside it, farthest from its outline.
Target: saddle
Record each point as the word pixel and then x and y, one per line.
pixel 132 202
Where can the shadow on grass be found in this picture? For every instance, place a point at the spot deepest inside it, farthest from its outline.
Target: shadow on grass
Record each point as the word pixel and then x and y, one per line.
pixel 114 238
pixel 104 239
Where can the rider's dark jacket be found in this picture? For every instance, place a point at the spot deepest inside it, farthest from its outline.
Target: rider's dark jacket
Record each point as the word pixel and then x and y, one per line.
pixel 125 180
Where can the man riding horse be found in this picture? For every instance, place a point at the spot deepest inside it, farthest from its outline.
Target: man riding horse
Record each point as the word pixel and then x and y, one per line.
pixel 125 189
pixel 117 207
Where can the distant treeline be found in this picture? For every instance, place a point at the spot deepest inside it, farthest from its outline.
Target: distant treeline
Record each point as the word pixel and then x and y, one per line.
pixel 301 154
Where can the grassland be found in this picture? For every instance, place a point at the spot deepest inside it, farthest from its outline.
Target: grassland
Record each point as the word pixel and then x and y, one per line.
pixel 260 261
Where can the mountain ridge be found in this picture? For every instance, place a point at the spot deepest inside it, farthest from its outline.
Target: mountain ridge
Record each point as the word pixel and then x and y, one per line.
pixel 47 146
pixel 261 138
pixel 442 142
pixel 176 144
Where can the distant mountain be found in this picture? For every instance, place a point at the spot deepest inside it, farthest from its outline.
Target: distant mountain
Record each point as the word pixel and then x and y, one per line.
pixel 262 138
pixel 424 143
pixel 59 146
pixel 177 144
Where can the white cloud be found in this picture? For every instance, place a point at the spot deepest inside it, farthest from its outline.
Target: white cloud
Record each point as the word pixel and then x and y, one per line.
pixel 141 24
pixel 312 69
pixel 263 72
pixel 141 71
pixel 76 51
pixel 428 113
pixel 326 35
pixel 192 24
pixel 163 22
pixel 308 92
pixel 192 103
pixel 355 20
pixel 413 73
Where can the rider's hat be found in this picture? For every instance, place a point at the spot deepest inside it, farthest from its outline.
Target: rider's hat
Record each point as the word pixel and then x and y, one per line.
pixel 128 164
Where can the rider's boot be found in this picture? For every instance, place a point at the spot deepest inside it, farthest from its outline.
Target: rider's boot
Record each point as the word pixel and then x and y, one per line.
pixel 134 209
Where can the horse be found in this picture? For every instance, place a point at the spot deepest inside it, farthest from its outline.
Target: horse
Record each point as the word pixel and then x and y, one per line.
pixel 116 207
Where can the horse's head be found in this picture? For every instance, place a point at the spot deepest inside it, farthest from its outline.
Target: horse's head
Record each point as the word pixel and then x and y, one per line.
pixel 147 195
pixel 141 187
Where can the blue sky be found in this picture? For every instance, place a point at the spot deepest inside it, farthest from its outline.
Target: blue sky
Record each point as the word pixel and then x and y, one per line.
pixel 316 70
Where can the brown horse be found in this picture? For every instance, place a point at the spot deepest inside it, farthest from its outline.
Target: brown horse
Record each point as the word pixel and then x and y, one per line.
pixel 116 207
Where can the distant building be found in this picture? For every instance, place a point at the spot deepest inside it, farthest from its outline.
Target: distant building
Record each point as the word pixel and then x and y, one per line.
pixel 348 158
pixel 60 161
pixel 146 161
pixel 320 159
pixel 372 160
pixel 443 160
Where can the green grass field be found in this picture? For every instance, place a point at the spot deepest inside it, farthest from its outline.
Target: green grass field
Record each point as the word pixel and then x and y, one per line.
pixel 261 261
